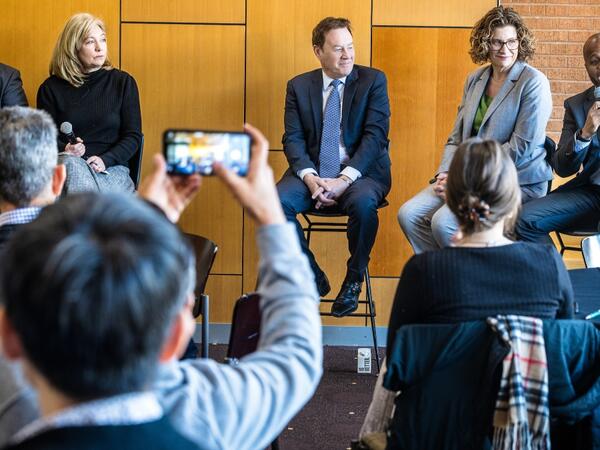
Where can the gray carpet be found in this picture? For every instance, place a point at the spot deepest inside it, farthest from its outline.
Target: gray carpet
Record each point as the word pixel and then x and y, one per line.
pixel 333 417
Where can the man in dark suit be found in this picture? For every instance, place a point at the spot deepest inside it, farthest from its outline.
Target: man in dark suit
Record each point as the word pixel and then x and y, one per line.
pixel 576 204
pixel 29 175
pixel 336 128
pixel 11 87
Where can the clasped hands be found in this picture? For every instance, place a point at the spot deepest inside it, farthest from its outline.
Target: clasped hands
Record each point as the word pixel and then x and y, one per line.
pixel 325 191
pixel 439 185
pixel 78 149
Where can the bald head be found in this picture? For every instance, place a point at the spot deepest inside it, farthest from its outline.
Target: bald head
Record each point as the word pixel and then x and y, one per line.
pixel 591 56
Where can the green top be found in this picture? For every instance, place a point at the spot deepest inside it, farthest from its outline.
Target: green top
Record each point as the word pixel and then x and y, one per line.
pixel 484 104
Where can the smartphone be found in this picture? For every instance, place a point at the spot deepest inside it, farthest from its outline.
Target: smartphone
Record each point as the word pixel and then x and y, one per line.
pixel 195 151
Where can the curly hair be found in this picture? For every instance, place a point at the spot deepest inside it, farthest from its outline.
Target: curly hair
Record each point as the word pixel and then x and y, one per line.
pixel 482 186
pixel 484 29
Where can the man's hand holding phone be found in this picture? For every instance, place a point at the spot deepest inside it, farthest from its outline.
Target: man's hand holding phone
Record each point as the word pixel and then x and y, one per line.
pixel 256 192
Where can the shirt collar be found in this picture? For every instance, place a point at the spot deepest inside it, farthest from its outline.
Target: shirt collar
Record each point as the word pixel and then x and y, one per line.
pixel 126 409
pixel 20 216
pixel 327 81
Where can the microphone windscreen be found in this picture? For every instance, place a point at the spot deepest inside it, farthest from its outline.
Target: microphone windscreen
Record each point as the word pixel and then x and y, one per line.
pixel 597 92
pixel 66 128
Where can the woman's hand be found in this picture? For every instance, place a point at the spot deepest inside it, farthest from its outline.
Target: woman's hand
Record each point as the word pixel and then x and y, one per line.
pixel 96 163
pixel 76 149
pixel 439 187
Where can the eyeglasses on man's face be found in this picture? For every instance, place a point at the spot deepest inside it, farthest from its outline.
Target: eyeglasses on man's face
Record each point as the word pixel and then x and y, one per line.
pixel 497 44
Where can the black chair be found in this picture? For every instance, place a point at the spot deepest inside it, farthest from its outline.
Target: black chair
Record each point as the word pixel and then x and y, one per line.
pixel 135 164
pixel 245 331
pixel 550 147
pixel 245 327
pixel 205 251
pixel 315 226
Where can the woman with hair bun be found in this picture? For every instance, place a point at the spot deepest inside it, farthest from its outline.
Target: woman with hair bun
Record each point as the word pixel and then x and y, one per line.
pixel 485 273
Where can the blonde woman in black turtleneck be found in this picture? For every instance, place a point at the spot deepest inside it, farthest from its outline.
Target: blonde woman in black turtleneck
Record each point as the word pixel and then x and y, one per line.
pixel 102 104
pixel 485 273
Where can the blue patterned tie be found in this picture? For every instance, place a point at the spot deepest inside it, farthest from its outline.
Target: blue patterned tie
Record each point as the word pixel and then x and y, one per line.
pixel 329 155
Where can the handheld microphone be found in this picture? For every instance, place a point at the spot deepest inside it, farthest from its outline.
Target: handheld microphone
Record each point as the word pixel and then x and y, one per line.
pixel 67 129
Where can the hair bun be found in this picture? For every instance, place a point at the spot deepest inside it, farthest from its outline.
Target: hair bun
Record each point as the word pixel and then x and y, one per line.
pixel 474 209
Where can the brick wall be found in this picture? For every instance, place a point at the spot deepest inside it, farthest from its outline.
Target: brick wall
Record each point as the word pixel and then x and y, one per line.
pixel 560 27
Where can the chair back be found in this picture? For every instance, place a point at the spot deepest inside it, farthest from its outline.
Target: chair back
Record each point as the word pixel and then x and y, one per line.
pixel 135 164
pixel 590 247
pixel 245 326
pixel 550 147
pixel 205 251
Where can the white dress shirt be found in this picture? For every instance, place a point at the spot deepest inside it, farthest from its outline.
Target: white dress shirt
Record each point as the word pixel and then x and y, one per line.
pixel 350 172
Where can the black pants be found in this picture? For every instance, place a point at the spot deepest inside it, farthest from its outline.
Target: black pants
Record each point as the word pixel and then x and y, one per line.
pixel 359 202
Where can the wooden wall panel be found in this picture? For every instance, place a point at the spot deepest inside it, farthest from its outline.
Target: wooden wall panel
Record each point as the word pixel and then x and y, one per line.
pixel 193 77
pixel 197 11
pixel 433 63
pixel 29 30
pixel 433 13
pixel 279 47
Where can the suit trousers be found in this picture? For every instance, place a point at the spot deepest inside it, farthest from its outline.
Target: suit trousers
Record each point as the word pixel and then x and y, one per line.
pixel 359 202
pixel 576 208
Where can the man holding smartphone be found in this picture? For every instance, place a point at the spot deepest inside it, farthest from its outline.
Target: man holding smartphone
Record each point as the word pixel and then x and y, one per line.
pixel 335 140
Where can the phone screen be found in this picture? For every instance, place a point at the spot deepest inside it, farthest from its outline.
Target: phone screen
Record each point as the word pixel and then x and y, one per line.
pixel 195 151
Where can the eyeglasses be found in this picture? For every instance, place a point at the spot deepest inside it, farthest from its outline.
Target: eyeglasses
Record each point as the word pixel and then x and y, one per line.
pixel 511 44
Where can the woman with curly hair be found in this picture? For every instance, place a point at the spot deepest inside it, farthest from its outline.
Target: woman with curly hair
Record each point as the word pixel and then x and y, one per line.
pixel 100 102
pixel 506 100
pixel 484 273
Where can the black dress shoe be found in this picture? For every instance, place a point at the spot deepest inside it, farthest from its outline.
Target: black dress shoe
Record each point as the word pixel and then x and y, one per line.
pixel 346 301
pixel 323 286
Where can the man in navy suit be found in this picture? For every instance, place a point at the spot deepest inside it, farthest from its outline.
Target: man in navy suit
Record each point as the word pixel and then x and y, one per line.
pixel 577 203
pixel 11 87
pixel 335 140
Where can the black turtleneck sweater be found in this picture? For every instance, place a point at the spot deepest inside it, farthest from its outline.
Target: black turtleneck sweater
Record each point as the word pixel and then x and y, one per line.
pixel 104 112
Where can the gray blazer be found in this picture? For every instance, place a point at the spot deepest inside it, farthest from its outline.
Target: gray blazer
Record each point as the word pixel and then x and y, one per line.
pixel 516 118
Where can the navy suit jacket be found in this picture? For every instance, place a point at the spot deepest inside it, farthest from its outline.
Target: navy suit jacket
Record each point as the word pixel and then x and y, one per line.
pixel 566 162
pixel 365 122
pixel 11 87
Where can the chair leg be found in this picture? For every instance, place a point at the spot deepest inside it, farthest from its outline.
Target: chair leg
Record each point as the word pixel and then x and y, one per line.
pixel 205 309
pixel 561 243
pixel 371 307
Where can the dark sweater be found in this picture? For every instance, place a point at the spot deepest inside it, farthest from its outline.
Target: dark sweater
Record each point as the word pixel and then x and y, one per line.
pixel 6 232
pixel 157 435
pixel 104 112
pixel 463 283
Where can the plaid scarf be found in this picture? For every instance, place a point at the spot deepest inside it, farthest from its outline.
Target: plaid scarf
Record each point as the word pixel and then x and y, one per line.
pixel 521 417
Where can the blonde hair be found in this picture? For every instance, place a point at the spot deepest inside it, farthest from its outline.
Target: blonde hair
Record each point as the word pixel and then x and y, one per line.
pixel 483 187
pixel 65 62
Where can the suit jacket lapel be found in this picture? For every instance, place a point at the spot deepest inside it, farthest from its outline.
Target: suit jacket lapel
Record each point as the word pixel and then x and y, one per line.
pixel 349 91
pixel 509 84
pixel 472 102
pixel 587 102
pixel 315 94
